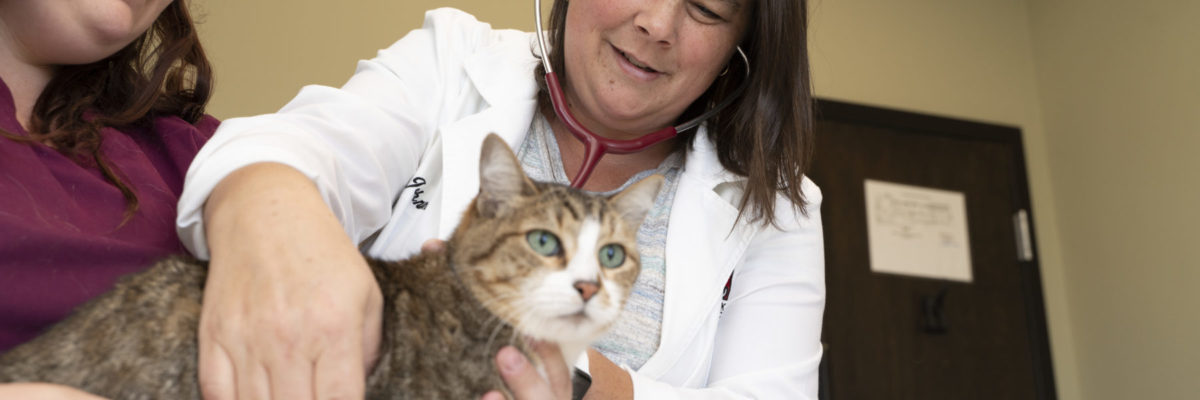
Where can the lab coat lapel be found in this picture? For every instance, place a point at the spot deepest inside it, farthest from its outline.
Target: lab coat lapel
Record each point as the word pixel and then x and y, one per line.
pixel 506 84
pixel 703 246
pixel 461 144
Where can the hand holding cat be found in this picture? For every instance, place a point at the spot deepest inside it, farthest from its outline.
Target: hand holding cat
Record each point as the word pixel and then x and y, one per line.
pixel 524 380
pixel 298 317
pixel 433 245
pixel 609 381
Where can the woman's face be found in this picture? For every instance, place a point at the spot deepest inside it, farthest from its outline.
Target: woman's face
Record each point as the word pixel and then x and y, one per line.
pixel 66 32
pixel 633 66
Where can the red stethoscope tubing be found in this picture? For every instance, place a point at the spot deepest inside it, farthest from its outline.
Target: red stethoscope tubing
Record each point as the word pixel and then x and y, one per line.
pixel 596 146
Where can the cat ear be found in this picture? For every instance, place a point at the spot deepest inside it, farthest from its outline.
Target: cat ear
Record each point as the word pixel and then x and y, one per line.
pixel 635 201
pixel 501 180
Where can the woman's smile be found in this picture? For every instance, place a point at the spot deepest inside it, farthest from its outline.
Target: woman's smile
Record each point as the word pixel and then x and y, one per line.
pixel 634 67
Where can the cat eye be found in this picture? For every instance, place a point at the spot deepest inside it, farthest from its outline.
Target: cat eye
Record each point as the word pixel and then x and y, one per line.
pixel 612 256
pixel 543 242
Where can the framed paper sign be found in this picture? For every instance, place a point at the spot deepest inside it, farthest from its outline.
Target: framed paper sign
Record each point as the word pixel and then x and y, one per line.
pixel 917 231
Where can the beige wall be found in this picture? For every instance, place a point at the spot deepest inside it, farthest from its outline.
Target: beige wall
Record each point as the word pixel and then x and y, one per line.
pixel 964 59
pixel 1102 89
pixel 1120 88
pixel 265 50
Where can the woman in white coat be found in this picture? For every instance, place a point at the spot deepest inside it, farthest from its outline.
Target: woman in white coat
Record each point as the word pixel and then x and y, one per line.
pixel 282 202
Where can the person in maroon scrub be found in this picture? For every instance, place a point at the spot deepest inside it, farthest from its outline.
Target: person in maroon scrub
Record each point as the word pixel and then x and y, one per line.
pixel 101 112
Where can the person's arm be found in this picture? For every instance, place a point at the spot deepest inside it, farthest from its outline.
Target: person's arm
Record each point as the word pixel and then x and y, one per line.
pixel 609 381
pixel 318 300
pixel 43 391
pixel 280 203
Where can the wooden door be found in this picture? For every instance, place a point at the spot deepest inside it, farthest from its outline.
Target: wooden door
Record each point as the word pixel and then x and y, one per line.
pixel 891 336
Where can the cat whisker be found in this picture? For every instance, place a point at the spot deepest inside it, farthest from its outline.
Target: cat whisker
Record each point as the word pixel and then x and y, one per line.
pixel 488 346
pixel 499 324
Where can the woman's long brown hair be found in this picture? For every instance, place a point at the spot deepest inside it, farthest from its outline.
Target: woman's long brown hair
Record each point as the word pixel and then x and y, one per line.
pixel 164 72
pixel 766 135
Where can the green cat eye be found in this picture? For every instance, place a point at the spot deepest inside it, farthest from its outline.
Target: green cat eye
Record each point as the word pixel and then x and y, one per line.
pixel 543 242
pixel 612 256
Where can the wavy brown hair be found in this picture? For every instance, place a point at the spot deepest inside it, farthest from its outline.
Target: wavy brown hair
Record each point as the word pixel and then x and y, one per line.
pixel 766 134
pixel 164 72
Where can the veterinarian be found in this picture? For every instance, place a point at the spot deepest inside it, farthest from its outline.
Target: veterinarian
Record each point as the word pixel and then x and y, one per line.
pixel 730 300
pixel 93 148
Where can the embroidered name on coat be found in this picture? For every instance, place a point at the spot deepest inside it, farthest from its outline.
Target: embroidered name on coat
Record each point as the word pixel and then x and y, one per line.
pixel 417 191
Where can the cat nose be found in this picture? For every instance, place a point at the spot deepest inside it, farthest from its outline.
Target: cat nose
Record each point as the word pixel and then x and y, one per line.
pixel 586 289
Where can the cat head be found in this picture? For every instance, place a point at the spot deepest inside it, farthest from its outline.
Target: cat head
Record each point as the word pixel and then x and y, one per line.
pixel 555 262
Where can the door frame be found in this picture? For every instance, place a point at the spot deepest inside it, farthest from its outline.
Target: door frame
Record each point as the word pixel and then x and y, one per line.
pixel 1008 136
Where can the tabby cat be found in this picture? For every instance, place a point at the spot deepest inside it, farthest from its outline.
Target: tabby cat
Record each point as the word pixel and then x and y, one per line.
pixel 528 260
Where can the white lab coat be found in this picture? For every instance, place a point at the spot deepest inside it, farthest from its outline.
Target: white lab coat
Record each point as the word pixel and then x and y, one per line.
pixel 413 119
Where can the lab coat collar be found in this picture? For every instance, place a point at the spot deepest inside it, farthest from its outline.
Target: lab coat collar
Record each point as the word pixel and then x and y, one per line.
pixel 702 162
pixel 498 77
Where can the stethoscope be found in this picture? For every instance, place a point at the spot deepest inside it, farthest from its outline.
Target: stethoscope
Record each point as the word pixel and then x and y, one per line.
pixel 596 146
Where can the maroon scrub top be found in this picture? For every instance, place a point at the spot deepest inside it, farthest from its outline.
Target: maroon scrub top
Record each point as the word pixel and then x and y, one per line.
pixel 61 237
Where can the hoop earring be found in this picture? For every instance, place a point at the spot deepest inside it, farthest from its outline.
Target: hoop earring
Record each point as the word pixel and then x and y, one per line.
pixel 745 60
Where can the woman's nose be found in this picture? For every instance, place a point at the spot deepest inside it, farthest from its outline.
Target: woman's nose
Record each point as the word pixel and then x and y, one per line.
pixel 657 20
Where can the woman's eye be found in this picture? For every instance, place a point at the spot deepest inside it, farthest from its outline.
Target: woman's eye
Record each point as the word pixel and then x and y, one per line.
pixel 543 242
pixel 612 256
pixel 707 12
